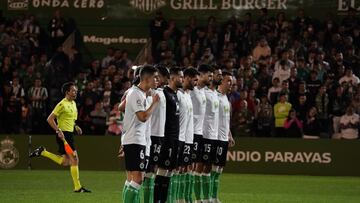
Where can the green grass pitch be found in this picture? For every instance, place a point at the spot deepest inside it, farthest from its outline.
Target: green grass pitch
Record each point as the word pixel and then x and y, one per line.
pixel 56 186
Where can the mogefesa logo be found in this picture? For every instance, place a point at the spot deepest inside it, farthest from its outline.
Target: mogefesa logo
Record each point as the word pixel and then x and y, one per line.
pixel 18 4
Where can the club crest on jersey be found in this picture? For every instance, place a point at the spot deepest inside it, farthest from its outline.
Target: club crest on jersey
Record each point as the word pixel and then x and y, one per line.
pixel 226 109
pixel 216 104
pixel 9 155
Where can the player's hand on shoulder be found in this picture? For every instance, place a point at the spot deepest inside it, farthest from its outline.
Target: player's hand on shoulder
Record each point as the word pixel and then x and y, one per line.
pixel 155 98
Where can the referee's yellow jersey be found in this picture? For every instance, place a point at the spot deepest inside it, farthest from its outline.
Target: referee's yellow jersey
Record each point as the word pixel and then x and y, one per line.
pixel 66 115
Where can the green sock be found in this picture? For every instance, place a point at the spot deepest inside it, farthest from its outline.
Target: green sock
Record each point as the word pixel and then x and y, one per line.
pixel 169 198
pixel 206 183
pixel 175 184
pixel 152 185
pixel 191 187
pixel 215 184
pixel 181 190
pixel 146 189
pixel 197 186
pixel 138 196
pixel 187 185
pixel 126 185
pixel 132 193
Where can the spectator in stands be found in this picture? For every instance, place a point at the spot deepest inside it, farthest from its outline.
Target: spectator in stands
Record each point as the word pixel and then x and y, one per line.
pixel 242 120
pixel 157 28
pixel 281 111
pixel 312 126
pixel 108 58
pixel 264 118
pixel 57 29
pixel 294 81
pixel 17 90
pixel 349 124
pixel 38 95
pixel 313 85
pixel 337 106
pixel 12 114
pixel 274 91
pixel 349 78
pixel 301 107
pixel 322 106
pixel 106 97
pixel 293 126
pixel 262 49
pixel 98 119
pixel 115 121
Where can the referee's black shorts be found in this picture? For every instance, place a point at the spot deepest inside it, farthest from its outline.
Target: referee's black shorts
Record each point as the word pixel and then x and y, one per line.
pixel 69 137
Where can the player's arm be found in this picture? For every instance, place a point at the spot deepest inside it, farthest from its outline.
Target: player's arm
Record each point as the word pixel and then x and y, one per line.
pixel 53 125
pixel 231 140
pixel 122 105
pixel 143 116
pixel 78 129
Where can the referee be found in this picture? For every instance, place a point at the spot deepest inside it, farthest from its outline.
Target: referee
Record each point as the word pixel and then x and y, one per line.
pixel 65 113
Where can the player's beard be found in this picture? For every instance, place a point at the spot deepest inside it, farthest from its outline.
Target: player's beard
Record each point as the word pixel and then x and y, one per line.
pixel 178 85
pixel 216 82
pixel 208 83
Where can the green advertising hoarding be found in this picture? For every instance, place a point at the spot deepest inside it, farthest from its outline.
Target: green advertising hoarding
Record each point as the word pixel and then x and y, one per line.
pixel 111 20
pixel 250 155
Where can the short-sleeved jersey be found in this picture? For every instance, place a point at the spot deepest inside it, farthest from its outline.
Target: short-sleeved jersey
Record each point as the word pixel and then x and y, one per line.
pixel 224 117
pixel 189 138
pixel 185 113
pixel 134 130
pixel 159 115
pixel 148 127
pixel 211 119
pixel 66 115
pixel 172 114
pixel 198 99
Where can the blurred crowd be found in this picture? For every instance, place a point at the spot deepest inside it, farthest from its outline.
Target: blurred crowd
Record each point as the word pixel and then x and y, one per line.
pixel 295 76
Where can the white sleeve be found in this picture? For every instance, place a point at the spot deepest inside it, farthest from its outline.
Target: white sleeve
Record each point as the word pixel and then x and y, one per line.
pixel 136 102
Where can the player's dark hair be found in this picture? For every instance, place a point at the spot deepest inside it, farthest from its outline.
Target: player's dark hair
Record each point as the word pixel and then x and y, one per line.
pixel 147 70
pixel 175 71
pixel 204 68
pixel 136 79
pixel 226 73
pixel 215 67
pixel 191 72
pixel 137 71
pixel 163 71
pixel 66 87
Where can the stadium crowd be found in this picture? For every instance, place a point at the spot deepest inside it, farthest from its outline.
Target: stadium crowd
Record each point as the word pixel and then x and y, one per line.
pixel 296 76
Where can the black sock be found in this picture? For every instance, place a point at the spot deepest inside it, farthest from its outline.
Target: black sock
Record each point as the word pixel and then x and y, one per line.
pixel 157 188
pixel 165 189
